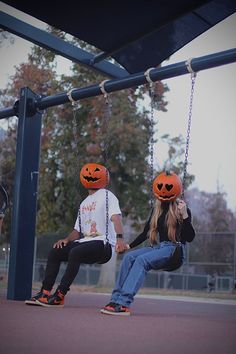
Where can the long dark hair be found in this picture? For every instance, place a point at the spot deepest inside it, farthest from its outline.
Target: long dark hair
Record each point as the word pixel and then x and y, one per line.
pixel 173 218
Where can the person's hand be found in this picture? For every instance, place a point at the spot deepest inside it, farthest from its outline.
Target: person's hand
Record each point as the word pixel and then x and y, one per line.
pixel 182 208
pixel 121 246
pixel 60 243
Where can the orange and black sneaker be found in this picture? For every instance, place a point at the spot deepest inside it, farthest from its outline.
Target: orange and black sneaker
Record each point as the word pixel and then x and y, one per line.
pixel 115 309
pixel 41 294
pixel 55 300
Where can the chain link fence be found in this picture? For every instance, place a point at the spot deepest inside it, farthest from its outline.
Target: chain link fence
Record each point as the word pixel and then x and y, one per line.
pixel 210 265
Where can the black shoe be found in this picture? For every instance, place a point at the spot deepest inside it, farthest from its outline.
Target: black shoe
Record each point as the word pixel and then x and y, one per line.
pixel 116 309
pixel 55 300
pixel 41 294
pixel 112 304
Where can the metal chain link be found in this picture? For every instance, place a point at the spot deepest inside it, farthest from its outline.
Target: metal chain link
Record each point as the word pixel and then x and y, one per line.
pixel 77 169
pixel 152 96
pixel 106 127
pixel 193 80
pixel 105 151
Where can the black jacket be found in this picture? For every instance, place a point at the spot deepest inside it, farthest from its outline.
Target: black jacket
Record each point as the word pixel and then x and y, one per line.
pixel 185 230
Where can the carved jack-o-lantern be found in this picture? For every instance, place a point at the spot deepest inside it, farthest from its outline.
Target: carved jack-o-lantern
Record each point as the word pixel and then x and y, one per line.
pixel 94 176
pixel 167 187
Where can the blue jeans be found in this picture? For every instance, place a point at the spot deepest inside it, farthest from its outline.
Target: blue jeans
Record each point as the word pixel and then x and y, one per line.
pixel 134 268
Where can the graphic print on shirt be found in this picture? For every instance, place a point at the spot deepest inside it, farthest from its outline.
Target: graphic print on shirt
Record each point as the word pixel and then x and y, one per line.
pixel 89 207
pixel 92 224
pixel 93 210
pixel 93 230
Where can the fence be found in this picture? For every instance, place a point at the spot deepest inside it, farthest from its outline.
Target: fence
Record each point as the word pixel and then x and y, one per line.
pixel 210 265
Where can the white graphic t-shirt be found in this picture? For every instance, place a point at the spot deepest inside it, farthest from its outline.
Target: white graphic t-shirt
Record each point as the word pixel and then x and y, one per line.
pixel 93 217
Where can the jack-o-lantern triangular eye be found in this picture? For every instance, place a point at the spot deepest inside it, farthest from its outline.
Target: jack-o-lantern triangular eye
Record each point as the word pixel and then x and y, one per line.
pixel 159 186
pixel 96 170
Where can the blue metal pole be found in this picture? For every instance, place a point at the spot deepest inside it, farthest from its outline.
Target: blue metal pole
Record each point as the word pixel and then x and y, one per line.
pixel 24 200
pixel 166 72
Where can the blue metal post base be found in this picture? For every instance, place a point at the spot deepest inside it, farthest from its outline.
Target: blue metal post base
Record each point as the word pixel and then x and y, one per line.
pixel 25 199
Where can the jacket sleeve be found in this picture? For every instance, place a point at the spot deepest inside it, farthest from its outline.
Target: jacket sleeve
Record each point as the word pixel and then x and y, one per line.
pixel 143 236
pixel 187 231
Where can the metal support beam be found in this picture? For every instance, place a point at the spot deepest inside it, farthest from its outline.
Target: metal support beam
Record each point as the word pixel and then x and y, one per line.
pixel 28 150
pixel 25 200
pixel 57 45
pixel 166 72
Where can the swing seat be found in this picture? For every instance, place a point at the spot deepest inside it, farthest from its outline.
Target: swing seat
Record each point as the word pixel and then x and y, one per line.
pixel 176 259
pixel 107 253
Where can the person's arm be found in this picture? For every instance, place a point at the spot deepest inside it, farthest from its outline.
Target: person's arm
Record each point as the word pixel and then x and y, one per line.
pixel 120 243
pixel 187 230
pixel 74 235
pixel 141 237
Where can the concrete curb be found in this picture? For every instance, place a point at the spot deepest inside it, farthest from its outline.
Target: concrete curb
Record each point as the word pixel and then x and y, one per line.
pixel 181 298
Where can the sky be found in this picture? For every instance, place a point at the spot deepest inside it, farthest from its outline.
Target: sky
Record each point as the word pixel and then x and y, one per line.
pixel 213 133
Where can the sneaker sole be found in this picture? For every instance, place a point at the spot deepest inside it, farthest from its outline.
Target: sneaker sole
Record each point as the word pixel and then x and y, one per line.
pixel 47 305
pixel 106 312
pixel 31 302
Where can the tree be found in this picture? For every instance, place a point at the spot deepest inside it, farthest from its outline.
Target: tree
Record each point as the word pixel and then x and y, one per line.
pixel 210 211
pixel 68 137
pixel 211 215
pixel 74 136
pixel 7 162
pixel 5 37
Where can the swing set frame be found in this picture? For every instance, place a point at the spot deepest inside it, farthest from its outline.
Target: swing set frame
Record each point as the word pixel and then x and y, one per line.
pixel 29 110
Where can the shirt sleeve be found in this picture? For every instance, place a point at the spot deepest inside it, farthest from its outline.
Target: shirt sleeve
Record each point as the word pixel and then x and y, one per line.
pixel 113 202
pixel 187 231
pixel 143 236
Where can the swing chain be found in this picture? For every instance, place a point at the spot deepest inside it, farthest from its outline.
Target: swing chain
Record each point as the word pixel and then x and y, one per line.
pixel 106 120
pixel 76 146
pixel 193 80
pixel 106 128
pixel 152 142
pixel 152 97
pixel 106 144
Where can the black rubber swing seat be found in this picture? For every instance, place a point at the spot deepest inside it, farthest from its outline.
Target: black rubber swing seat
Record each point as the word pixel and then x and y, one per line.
pixel 107 253
pixel 176 259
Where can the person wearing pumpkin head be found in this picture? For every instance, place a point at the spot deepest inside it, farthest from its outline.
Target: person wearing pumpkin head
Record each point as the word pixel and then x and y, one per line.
pixel 170 221
pixel 97 230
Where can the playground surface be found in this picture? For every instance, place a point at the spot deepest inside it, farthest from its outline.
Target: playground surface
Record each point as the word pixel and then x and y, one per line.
pixel 158 324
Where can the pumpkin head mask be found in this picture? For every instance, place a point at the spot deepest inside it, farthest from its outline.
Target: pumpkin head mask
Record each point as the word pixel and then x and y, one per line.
pixel 167 187
pixel 94 176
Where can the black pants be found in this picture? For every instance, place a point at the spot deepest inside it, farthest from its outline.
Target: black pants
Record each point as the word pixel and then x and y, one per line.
pixel 74 253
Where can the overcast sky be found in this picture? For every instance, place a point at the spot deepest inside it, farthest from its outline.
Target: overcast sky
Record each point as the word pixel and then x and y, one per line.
pixel 213 133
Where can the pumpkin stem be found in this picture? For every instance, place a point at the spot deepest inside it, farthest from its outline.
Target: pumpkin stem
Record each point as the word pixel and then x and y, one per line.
pixel 168 173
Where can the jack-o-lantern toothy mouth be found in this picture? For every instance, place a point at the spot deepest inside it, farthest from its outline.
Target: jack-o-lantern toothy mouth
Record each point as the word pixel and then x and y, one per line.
pixel 91 179
pixel 166 197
